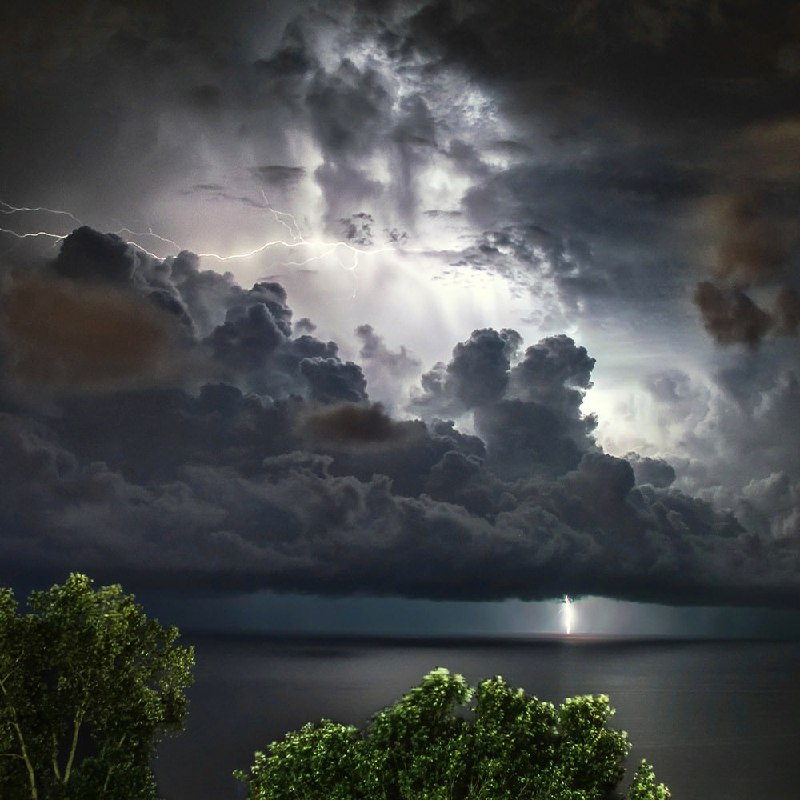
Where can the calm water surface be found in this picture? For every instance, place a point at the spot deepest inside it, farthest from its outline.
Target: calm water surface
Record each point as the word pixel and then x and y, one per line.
pixel 719 720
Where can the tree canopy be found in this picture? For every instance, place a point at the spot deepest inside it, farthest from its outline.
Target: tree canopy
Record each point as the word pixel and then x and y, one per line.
pixel 88 686
pixel 517 748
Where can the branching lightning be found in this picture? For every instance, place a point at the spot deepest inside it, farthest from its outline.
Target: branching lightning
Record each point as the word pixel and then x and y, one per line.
pixel 7 209
pixel 150 232
pixel 294 239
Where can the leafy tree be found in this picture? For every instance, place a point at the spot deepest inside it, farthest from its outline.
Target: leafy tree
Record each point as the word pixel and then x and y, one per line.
pixel 644 786
pixel 88 685
pixel 517 747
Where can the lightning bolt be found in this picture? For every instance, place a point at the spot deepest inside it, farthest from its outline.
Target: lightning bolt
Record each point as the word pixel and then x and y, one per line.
pixel 6 209
pixel 150 232
pixel 294 239
pixel 569 614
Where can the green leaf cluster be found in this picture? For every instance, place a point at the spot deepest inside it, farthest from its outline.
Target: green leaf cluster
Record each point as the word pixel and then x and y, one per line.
pixel 517 748
pixel 88 686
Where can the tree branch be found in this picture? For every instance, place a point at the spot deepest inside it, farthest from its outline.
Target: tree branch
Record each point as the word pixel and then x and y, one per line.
pixel 111 768
pixel 56 770
pixel 76 726
pixel 21 738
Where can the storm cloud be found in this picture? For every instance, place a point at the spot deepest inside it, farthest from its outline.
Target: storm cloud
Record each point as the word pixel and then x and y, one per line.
pixel 210 481
pixel 501 226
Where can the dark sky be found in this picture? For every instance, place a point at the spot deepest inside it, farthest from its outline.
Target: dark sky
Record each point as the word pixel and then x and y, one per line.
pixel 432 301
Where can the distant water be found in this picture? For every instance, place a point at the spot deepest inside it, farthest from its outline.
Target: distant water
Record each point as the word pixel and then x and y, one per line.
pixel 720 720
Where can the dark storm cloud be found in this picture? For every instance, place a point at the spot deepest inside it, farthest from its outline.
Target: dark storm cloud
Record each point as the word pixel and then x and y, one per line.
pixel 518 252
pixel 33 45
pixel 523 437
pixel 51 52
pixel 787 311
pixel 207 294
pixel 529 415
pixel 602 158
pixel 478 373
pixel 599 231
pixel 348 110
pixel 754 247
pixel 293 58
pixel 347 107
pixel 87 254
pixel 758 249
pixel 476 376
pixel 332 380
pixel 256 323
pixel 555 372
pixel 760 419
pixel 611 46
pixel 58 336
pixel 298 527
pixel 731 316
pixel 103 313
pixel 628 120
pixel 205 440
pixel 351 108
pixel 351 424
pixel 247 338
pixel 205 97
pixel 106 260
pixel 275 175
pixel 363 442
pixel 310 488
pixel 655 471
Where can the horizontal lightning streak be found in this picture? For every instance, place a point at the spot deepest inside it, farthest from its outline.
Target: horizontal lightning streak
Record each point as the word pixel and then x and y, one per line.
pixel 7 209
pixel 286 220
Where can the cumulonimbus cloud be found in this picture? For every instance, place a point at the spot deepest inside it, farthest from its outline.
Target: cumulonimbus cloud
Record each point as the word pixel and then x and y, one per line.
pixel 273 470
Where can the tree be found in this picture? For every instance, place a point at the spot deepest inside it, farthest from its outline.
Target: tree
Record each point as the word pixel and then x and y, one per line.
pixel 88 686
pixel 517 747
pixel 644 786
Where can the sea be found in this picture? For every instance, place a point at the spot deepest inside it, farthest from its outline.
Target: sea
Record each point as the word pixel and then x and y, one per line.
pixel 719 720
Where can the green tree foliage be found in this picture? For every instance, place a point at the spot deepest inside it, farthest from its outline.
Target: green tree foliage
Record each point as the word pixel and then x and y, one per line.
pixel 88 686
pixel 644 786
pixel 517 747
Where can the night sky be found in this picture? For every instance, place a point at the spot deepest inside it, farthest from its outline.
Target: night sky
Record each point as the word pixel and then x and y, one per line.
pixel 314 313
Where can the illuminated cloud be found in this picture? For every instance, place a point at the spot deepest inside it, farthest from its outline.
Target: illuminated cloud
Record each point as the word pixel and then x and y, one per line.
pixel 310 488
pixel 630 182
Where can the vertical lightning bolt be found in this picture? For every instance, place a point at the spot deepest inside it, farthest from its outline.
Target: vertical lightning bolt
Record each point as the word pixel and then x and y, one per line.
pixel 568 614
